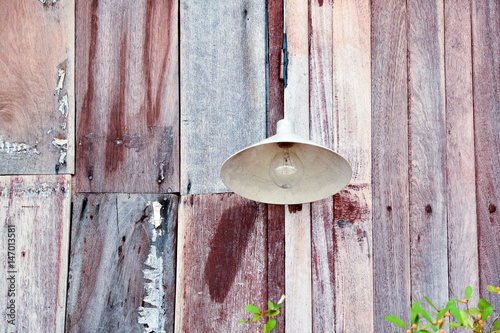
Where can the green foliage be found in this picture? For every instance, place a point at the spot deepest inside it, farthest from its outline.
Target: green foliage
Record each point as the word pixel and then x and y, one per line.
pixel 272 311
pixel 470 319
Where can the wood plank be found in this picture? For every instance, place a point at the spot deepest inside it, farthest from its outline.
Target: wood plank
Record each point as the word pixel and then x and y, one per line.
pixel 461 173
pixel 276 260
pixel 352 139
pixel 297 217
pixel 127 96
pixel 222 262
pixel 391 238
pixel 427 151
pixel 37 100
pixel 223 86
pixel 123 259
pixel 486 55
pixel 34 242
pixel 275 87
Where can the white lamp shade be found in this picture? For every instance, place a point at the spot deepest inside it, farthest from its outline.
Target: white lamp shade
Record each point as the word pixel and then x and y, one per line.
pixel 247 172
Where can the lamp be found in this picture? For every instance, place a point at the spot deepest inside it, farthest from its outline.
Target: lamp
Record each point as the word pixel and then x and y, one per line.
pixel 285 169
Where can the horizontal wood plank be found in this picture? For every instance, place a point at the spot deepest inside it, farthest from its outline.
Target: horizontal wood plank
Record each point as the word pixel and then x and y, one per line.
pixel 222 262
pixel 127 96
pixel 223 86
pixel 123 259
pixel 34 242
pixel 37 100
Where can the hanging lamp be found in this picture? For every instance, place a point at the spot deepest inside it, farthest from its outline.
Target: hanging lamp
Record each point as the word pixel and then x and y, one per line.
pixel 285 169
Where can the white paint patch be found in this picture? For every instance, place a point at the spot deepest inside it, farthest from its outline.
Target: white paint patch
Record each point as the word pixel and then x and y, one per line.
pixel 16 149
pixel 64 105
pixel 157 214
pixel 39 191
pixel 162 175
pixel 152 313
pixel 62 145
pixel 61 73
pixel 48 1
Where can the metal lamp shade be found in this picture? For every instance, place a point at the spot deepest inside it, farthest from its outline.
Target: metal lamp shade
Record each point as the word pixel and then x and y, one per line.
pixel 247 172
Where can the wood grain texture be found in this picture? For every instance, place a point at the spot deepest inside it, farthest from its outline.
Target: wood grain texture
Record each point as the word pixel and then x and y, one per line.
pixel 461 176
pixel 275 89
pixel 297 217
pixel 427 151
pixel 34 243
pixel 223 86
pixel 123 259
pixel 37 107
pixel 276 260
pixel 352 139
pixel 127 96
pixel 391 238
pixel 222 262
pixel 486 55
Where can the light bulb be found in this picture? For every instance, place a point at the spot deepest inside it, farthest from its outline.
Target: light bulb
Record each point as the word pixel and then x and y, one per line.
pixel 286 169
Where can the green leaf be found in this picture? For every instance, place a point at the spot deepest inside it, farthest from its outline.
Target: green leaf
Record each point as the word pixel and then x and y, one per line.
pixel 428 301
pixel 474 311
pixel 425 315
pixel 252 308
pixel 465 319
pixel 242 321
pixel 483 304
pixel 453 325
pixel 422 331
pixel 270 305
pixel 278 305
pixel 456 313
pixel 496 326
pixel 269 325
pixel 256 317
pixel 487 312
pixel 395 320
pixel 414 312
pixel 273 313
pixel 493 289
pixel 468 292
pixel 425 326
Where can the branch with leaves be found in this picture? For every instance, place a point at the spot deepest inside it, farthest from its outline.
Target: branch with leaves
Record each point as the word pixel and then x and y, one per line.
pixel 470 319
pixel 258 315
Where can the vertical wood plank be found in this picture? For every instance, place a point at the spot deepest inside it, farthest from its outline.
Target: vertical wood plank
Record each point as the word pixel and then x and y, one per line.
pixel 35 215
pixel 275 88
pixel 223 86
pixel 486 55
pixel 352 139
pixel 391 239
pixel 123 259
pixel 297 217
pixel 37 100
pixel 461 176
pixel 127 96
pixel 427 151
pixel 222 262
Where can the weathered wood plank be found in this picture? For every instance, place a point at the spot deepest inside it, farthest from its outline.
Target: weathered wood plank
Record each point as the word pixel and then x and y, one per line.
pixel 34 242
pixel 427 151
pixel 223 86
pixel 352 139
pixel 127 96
pixel 461 176
pixel 275 46
pixel 391 238
pixel 486 55
pixel 297 217
pixel 222 262
pixel 123 259
pixel 37 107
pixel 276 260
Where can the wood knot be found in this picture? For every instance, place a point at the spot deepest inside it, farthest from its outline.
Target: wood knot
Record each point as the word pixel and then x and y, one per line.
pixel 492 208
pixel 389 209
pixel 428 209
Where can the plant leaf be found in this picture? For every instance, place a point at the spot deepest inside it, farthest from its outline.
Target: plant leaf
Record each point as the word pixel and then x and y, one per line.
pixel 493 289
pixel 277 305
pixel 273 313
pixel 428 301
pixel 256 317
pixel 395 320
pixel 483 304
pixel 474 311
pixel 269 325
pixel 425 315
pixel 487 312
pixel 453 325
pixel 414 312
pixel 242 321
pixel 456 313
pixel 270 305
pixel 468 292
pixel 496 326
pixel 425 326
pixel 252 308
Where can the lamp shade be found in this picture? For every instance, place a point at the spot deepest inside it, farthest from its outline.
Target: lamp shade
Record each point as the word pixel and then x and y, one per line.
pixel 323 172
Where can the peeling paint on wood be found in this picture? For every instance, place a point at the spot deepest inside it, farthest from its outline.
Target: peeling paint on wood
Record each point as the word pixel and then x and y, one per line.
pixel 16 149
pixel 122 272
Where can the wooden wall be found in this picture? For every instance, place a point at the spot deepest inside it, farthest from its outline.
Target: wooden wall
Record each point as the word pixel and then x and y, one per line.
pixel 116 117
